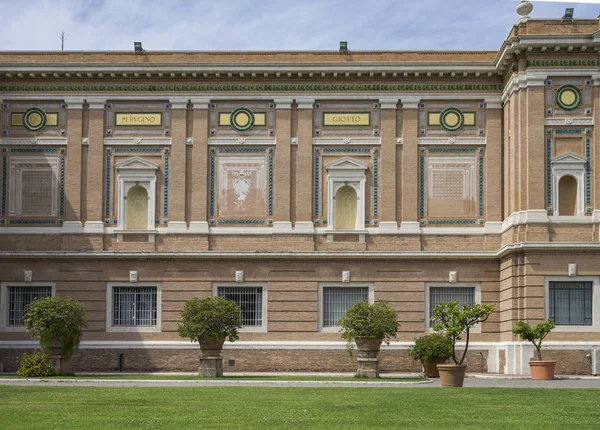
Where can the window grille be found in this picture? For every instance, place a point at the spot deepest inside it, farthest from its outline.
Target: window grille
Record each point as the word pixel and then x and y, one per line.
pixel 465 296
pixel 337 300
pixel 250 301
pixel 19 297
pixel 570 303
pixel 134 306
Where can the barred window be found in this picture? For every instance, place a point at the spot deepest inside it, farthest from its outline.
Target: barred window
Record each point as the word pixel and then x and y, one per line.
pixel 134 306
pixel 337 300
pixel 570 303
pixel 250 301
pixel 465 296
pixel 19 297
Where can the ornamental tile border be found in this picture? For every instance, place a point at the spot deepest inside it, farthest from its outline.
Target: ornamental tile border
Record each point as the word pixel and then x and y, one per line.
pixel 422 154
pixel 166 187
pixel 576 131
pixel 317 177
pixel 588 176
pixel 107 185
pixel 4 173
pixel 346 150
pixel 138 150
pixel 548 172
pixel 62 187
pixel 481 187
pixel 211 200
pixel 34 150
pixel 257 87
pixel 270 175
pixel 32 221
pixel 563 63
pixel 241 222
pixel 375 187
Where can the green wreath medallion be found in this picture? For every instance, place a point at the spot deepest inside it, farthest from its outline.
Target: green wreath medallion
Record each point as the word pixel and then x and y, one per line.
pixel 568 97
pixel 452 119
pixel 34 119
pixel 242 119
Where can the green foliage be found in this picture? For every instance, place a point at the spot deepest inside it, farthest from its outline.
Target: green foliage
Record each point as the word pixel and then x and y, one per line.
pixel 35 365
pixel 374 321
pixel 210 318
pixel 452 322
pixel 60 319
pixel 430 348
pixel 535 334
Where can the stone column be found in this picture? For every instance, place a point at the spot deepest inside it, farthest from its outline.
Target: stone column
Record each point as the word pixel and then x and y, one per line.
pixel 304 166
pixel 72 221
pixel 493 161
pixel 200 167
pixel 410 166
pixel 388 220
pixel 177 201
pixel 95 164
pixel 282 175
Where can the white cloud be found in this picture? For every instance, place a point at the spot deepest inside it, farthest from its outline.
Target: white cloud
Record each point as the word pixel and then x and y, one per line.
pixel 265 24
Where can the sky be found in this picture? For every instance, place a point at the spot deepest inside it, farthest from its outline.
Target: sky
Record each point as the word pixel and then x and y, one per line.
pixel 267 24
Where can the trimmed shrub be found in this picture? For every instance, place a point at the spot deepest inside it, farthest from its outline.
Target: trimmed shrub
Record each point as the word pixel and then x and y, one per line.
pixel 430 348
pixel 35 365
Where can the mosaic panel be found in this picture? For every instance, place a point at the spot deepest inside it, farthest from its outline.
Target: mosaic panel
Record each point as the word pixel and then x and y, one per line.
pixel 4 184
pixel 166 188
pixel 36 192
pixel 107 185
pixel 62 187
pixel 549 174
pixel 588 174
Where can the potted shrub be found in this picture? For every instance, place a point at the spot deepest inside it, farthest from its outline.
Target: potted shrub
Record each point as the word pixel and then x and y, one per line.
pixel 368 324
pixel 432 349
pixel 540 369
pixel 58 323
pixel 209 321
pixel 452 322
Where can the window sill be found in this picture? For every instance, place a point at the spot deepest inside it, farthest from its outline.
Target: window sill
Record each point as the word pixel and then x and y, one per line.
pixel 576 328
pixel 153 329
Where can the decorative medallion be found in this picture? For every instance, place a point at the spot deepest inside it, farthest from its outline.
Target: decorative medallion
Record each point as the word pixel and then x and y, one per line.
pixel 568 97
pixel 34 119
pixel 452 119
pixel 242 119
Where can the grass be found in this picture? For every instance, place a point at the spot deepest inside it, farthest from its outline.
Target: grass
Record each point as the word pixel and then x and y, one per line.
pixel 227 378
pixel 315 408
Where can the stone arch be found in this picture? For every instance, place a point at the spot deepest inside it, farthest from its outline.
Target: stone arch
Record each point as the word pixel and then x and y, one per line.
pixel 567 196
pixel 345 208
pixel 137 208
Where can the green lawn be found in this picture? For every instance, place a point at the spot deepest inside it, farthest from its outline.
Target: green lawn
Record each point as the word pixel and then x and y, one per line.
pixel 227 378
pixel 311 408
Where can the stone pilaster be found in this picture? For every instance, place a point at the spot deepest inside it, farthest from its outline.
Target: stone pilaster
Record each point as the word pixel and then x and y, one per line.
pixel 410 166
pixel 94 222
pixel 200 168
pixel 177 171
pixel 388 219
pixel 493 162
pixel 72 220
pixel 304 166
pixel 282 175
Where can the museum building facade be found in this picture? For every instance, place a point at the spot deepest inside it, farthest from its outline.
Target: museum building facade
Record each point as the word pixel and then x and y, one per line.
pixel 297 183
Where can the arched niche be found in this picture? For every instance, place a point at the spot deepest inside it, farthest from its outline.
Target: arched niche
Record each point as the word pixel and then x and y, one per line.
pixel 346 181
pixel 137 180
pixel 568 182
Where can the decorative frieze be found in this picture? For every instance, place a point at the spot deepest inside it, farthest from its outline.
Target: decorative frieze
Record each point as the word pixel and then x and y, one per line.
pixel 133 141
pixel 57 141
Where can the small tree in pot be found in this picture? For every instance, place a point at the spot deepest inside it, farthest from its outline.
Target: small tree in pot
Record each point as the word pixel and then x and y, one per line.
pixel 58 323
pixel 368 324
pixel 432 349
pixel 540 369
pixel 209 321
pixel 452 322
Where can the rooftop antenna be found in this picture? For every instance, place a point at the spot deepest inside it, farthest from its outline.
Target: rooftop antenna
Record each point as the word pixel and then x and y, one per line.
pixel 62 40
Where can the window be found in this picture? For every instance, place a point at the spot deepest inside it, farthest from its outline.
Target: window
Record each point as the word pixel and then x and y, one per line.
pixel 250 301
pixel 15 296
pixel 465 294
pixel 335 299
pixel 34 186
pixel 570 303
pixel 133 307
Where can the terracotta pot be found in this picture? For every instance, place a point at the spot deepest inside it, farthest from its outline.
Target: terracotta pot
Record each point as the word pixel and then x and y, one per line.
pixel 542 370
pixel 430 370
pixel 211 360
pixel 367 360
pixel 452 375
pixel 61 363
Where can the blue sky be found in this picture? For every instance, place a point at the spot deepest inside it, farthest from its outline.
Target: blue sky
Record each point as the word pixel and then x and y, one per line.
pixel 266 24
